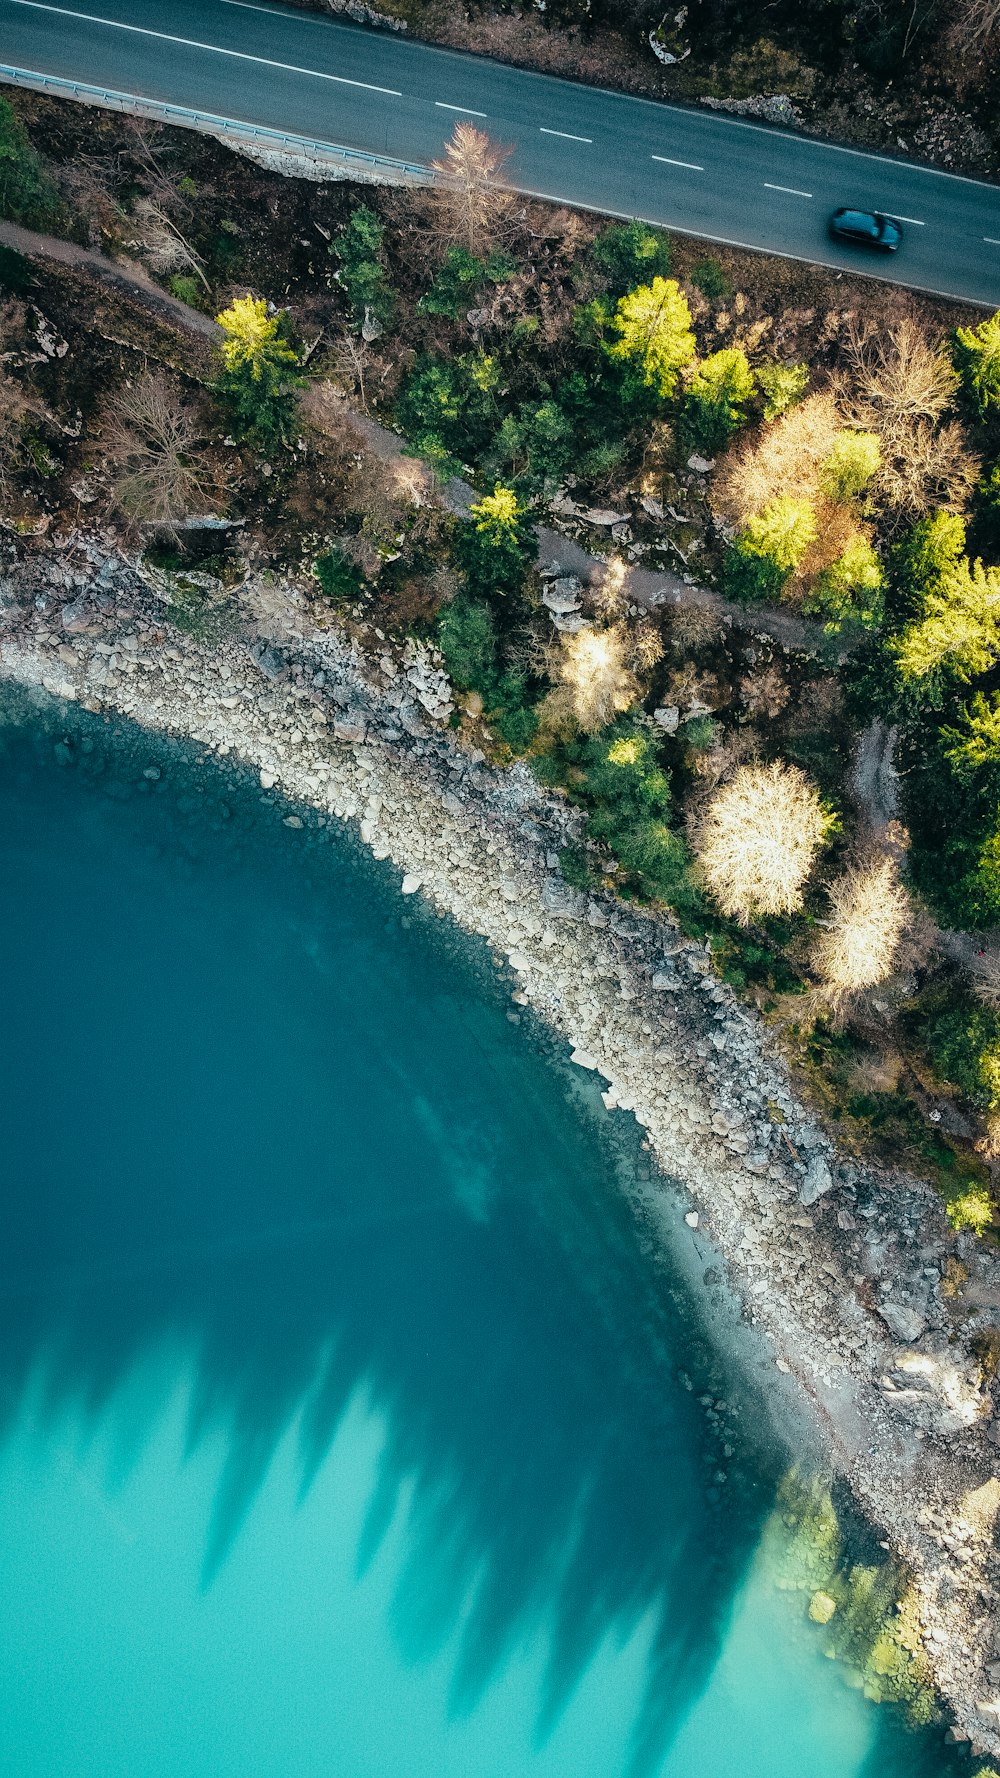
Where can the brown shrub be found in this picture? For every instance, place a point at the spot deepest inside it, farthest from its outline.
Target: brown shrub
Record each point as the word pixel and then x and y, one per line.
pixel 765 691
pixel 974 27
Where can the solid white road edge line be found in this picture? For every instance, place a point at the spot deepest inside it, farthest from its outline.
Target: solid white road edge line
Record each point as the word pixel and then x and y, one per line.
pixel 215 49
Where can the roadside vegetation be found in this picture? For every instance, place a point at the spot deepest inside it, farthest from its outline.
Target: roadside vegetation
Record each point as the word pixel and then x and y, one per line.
pixel 798 753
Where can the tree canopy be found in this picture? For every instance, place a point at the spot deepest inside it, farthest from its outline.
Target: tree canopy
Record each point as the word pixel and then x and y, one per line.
pixel 653 324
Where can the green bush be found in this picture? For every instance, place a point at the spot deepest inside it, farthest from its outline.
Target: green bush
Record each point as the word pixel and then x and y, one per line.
pixel 710 278
pixel 187 290
pixel 517 724
pixel 467 638
pixel 854 458
pixel 781 385
pixel 360 251
pixel 496 545
pixel 618 777
pixel 934 545
pixel 510 711
pixel 974 746
pixel 447 408
pixel 460 277
pixel 534 447
pixel 769 547
pixel 965 1046
pixel 27 194
pixel 957 633
pixel 782 532
pixel 654 338
pixel 339 577
pixel 972 1209
pixel 259 370
pixel 752 579
pixel 715 401
pixel 977 360
pixel 601 463
pixel 628 254
pixel 699 733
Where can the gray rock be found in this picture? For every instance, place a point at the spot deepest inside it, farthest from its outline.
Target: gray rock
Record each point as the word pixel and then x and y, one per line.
pixel 348 731
pixel 75 617
pixel 271 662
pixel 816 1181
pixel 903 1323
pixel 668 717
pixel 561 901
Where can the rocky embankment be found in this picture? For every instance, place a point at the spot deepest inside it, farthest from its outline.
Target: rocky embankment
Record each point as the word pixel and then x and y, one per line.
pixel 855 1282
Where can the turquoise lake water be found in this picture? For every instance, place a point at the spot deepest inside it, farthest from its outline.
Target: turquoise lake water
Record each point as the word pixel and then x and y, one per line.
pixel 348 1427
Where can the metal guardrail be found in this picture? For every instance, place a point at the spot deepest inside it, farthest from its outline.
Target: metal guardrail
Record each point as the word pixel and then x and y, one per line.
pixel 211 124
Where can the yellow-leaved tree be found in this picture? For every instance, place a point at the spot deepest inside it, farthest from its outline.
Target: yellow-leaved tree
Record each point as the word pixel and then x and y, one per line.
pixel 958 632
pixel 653 325
pixel 259 368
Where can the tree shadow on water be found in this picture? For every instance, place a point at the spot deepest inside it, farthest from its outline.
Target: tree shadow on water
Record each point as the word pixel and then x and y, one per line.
pixel 290 1200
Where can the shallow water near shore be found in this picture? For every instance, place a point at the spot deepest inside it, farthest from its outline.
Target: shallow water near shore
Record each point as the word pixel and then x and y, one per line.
pixel 348 1422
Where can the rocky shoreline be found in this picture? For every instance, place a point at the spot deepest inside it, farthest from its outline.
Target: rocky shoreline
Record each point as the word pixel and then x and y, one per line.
pixel 844 1274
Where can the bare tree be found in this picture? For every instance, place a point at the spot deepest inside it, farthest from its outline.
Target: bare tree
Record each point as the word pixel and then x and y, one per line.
pixel 150 443
pixel 161 243
pixel 901 384
pixel 898 374
pixel 593 681
pixel 974 25
pixel 859 941
pixel 349 360
pixel 469 203
pixel 790 453
pixel 933 466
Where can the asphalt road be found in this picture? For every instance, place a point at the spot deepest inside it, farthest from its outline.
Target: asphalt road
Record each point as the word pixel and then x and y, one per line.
pixel 697 172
